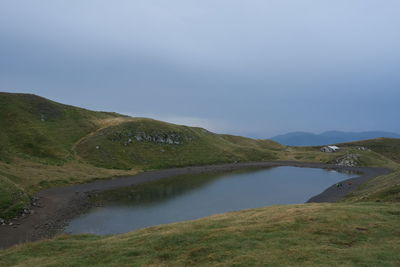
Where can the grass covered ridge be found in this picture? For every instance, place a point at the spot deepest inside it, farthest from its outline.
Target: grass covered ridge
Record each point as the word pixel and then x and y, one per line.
pixel 364 234
pixel 151 144
pixel 45 144
pixel 42 130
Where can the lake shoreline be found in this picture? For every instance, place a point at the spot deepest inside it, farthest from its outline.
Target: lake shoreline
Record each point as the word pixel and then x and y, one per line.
pixel 56 206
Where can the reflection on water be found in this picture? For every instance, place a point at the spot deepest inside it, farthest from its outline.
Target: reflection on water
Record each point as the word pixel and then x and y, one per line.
pixel 194 196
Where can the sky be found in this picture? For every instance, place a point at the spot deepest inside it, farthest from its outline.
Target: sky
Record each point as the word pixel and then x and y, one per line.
pixel 255 68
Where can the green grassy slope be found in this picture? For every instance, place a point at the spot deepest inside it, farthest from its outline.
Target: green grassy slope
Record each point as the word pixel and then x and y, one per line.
pixel 45 144
pixel 388 147
pixel 39 129
pixel 37 137
pixel 380 189
pixel 150 144
pixel 363 234
pixel 12 198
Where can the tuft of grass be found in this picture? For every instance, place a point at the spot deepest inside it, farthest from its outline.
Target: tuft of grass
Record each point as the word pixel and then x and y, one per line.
pixel 363 234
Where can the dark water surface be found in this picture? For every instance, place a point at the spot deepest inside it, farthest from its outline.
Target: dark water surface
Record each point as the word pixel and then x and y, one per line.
pixel 194 196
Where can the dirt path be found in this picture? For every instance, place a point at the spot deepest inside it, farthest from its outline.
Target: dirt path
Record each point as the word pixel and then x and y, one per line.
pixel 102 124
pixel 57 206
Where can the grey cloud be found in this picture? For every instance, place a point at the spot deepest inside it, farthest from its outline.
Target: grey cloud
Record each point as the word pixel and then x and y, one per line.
pixel 261 67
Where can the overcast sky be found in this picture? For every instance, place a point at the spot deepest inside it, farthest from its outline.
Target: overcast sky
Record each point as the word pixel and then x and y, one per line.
pixel 254 68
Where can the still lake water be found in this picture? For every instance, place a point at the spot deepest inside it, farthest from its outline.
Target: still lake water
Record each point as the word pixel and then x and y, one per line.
pixel 191 197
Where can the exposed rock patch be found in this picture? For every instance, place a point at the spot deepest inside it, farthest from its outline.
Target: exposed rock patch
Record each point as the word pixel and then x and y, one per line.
pixel 171 138
pixel 348 160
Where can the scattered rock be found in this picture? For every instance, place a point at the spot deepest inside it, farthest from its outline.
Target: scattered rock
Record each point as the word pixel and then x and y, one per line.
pixel 171 138
pixel 348 160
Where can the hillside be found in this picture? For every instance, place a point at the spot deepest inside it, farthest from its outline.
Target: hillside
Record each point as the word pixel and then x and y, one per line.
pixel 329 137
pixel 47 132
pixel 12 198
pixel 388 147
pixel 44 144
pixel 150 144
pixel 42 130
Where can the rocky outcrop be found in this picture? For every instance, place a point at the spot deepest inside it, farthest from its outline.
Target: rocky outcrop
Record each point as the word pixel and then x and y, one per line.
pixel 171 138
pixel 348 160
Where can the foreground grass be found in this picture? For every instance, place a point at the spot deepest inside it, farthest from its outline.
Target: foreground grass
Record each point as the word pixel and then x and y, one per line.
pixel 365 234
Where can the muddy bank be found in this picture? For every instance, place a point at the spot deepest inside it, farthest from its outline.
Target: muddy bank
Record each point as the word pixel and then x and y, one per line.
pixel 57 206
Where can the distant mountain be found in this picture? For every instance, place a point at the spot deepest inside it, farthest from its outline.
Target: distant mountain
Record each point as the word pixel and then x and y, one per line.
pixel 329 137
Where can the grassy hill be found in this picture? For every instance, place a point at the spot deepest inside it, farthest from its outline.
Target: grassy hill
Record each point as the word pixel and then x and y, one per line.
pixel 37 137
pixel 42 130
pixel 387 147
pixel 47 132
pixel 150 144
pixel 44 144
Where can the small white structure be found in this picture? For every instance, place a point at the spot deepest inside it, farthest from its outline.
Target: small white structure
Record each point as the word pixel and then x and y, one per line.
pixel 329 149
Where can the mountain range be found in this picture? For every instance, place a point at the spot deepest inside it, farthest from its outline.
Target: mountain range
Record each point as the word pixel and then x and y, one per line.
pixel 329 137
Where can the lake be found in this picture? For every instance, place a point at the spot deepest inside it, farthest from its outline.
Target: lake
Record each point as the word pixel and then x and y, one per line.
pixel 189 197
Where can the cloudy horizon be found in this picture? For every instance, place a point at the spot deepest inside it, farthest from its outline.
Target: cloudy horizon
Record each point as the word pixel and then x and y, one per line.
pixel 254 68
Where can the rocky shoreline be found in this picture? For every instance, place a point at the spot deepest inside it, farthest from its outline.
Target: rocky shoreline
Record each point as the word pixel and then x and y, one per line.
pixel 55 207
